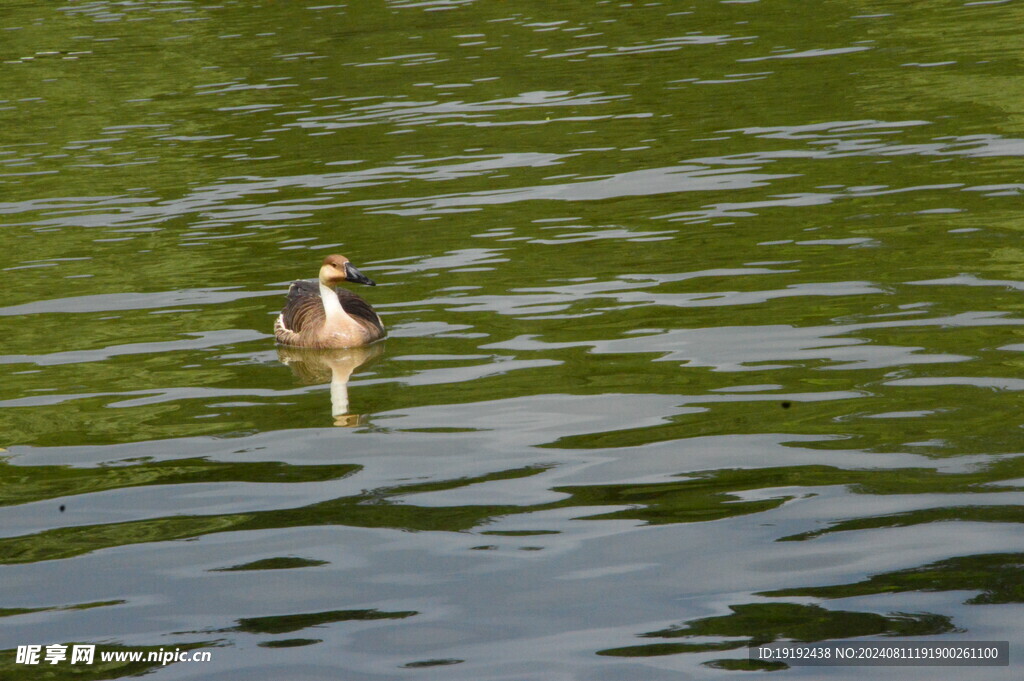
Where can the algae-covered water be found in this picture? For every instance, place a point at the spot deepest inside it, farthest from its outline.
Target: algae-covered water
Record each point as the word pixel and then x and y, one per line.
pixel 705 331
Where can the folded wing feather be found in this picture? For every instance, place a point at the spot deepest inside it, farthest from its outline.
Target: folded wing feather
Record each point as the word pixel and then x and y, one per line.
pixel 304 310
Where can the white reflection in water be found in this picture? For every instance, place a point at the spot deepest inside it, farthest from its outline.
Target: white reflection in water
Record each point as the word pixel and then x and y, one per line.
pixel 745 348
pixel 684 178
pixel 335 366
pixel 423 113
pixel 193 341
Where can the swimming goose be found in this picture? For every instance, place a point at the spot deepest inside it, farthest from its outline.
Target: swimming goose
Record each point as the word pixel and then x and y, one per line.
pixel 324 316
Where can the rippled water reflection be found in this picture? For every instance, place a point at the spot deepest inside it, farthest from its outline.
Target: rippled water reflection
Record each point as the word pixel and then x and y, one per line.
pixel 704 332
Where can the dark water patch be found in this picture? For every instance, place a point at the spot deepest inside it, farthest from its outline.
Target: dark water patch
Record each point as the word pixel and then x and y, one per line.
pixel 1003 513
pixel 705 496
pixel 420 664
pixel 285 624
pixel 289 643
pixel 996 576
pixel 372 508
pixel 741 665
pixel 25 484
pixel 760 623
pixel 12 612
pixel 718 494
pixel 280 563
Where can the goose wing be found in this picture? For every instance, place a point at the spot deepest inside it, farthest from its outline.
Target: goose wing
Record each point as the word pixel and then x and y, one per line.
pixel 303 309
pixel 360 310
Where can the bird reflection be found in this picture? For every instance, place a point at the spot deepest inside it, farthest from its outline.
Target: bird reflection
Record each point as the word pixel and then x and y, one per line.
pixel 335 365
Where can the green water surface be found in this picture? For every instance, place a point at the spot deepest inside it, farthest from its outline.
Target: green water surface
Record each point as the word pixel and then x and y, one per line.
pixel 705 332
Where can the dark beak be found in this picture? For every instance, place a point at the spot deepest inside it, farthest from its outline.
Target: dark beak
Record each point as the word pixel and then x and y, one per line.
pixel 352 274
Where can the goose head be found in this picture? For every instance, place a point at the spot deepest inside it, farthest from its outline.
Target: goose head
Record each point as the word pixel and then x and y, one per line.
pixel 337 268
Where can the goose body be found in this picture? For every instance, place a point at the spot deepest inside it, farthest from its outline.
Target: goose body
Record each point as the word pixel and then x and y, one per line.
pixel 320 315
